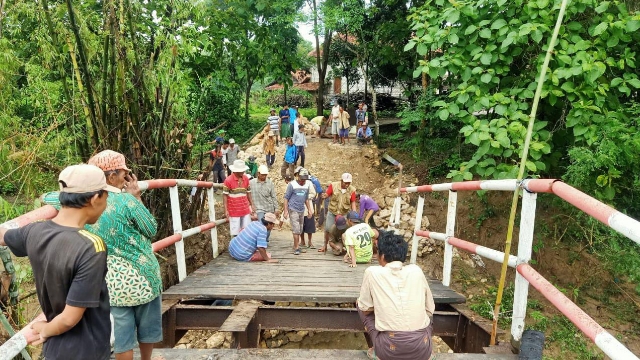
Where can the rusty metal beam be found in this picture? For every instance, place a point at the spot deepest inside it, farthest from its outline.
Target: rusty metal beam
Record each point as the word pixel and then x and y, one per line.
pixel 204 317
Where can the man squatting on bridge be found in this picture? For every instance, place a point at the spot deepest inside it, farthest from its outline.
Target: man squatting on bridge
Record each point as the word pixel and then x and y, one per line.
pixel 69 267
pixel 133 273
pixel 396 332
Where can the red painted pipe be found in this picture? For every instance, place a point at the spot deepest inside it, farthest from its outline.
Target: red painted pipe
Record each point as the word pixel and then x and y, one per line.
pixel 161 183
pixel 578 317
pixel 43 213
pixel 466 186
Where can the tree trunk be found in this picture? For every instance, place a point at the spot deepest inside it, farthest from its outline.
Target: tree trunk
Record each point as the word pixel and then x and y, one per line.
pixel 321 65
pixel 286 86
pixel 247 93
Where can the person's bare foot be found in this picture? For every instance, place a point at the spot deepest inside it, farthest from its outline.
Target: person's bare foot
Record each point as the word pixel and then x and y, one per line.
pixel 322 249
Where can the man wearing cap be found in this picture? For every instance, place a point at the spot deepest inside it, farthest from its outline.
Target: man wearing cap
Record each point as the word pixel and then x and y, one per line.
pixel 342 197
pixel 289 159
pixel 269 148
pixel 252 166
pixel 232 154
pixel 251 243
pixel 296 198
pixel 359 240
pixel 396 332
pixel 285 129
pixel 220 137
pixel 335 235
pixel 274 124
pixel 263 194
pixel 364 134
pixel 309 224
pixel 133 276
pixel 300 141
pixel 236 195
pixel 69 267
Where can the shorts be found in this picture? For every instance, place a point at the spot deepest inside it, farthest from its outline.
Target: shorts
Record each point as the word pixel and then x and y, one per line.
pixel 309 226
pixel 334 127
pixel 344 133
pixel 237 223
pixel 134 324
pixel 329 221
pixel 296 221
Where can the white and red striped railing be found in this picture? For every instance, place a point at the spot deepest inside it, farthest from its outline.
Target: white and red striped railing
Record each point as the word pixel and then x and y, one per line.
pixel 21 339
pixel 525 274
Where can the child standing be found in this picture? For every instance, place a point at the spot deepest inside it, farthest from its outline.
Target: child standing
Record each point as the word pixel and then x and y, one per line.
pixel 269 148
pixel 343 124
pixel 289 159
pixel 300 141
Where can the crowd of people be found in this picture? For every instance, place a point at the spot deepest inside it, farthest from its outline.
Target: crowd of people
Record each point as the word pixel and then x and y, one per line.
pixel 94 259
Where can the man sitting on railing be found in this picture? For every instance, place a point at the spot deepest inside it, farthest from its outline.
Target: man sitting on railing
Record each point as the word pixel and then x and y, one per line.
pixel 396 332
pixel 251 243
pixel 69 266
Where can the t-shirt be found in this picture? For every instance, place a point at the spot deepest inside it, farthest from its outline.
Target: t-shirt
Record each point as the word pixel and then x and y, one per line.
pixel 293 115
pixel 297 195
pixel 399 295
pixel 318 120
pixel 216 157
pixel 284 114
pixel 360 236
pixel 237 192
pixel 335 234
pixel 69 266
pixel 361 115
pixel 232 154
pixel 243 246
pixel 126 226
pixel 274 123
pixel 366 204
pixel 335 111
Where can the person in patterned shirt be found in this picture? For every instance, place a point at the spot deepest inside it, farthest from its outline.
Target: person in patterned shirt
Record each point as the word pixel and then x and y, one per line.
pixel 133 273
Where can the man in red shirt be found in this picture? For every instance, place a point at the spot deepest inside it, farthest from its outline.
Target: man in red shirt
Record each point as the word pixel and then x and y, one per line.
pixel 236 196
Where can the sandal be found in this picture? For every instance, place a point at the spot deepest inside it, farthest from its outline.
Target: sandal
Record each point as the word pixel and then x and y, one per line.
pixel 296 252
pixel 371 354
pixel 302 250
pixel 312 247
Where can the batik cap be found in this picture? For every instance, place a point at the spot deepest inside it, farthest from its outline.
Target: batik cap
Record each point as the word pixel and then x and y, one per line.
pixel 270 217
pixel 84 178
pixel 109 160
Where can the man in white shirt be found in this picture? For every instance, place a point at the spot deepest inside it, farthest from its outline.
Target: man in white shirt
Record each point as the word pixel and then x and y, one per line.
pixel 335 118
pixel 396 304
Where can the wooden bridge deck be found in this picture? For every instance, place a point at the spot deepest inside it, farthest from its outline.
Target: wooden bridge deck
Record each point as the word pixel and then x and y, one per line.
pixel 308 277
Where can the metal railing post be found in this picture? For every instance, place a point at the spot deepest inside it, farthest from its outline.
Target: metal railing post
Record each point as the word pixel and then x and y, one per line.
pixel 525 245
pixel 212 218
pixel 414 245
pixel 177 228
pixel 450 231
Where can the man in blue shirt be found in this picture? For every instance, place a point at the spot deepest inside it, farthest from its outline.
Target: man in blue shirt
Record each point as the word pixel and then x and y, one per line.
pixel 251 243
pixel 295 199
pixel 364 134
pixel 285 131
pixel 293 115
pixel 290 155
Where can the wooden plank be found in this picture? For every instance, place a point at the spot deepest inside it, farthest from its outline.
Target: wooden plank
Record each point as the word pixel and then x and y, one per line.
pixel 239 319
pixel 167 304
pixel 294 354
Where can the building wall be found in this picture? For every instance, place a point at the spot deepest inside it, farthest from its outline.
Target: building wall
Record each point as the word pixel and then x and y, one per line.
pixel 396 91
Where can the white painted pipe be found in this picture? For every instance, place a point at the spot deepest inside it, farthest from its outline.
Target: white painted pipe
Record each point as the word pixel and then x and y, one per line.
pixel 450 231
pixel 177 228
pixel 525 245
pixel 414 245
pixel 212 218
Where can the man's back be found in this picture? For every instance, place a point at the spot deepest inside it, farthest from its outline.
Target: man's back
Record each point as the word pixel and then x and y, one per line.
pixel 399 295
pixel 232 154
pixel 69 268
pixel 248 240
pixel 360 236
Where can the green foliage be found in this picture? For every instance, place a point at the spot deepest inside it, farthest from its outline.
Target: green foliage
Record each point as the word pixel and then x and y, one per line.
pixel 488 53
pixel 570 339
pixel 484 304
pixel 276 98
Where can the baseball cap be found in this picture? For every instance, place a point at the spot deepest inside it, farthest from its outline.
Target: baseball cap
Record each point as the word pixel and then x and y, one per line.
pixel 297 170
pixel 231 141
pixel 108 160
pixel 252 158
pixel 263 170
pixel 341 222
pixel 270 217
pixel 84 178
pixel 346 177
pixel 272 109
pixel 303 174
pixel 220 132
pixel 353 216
